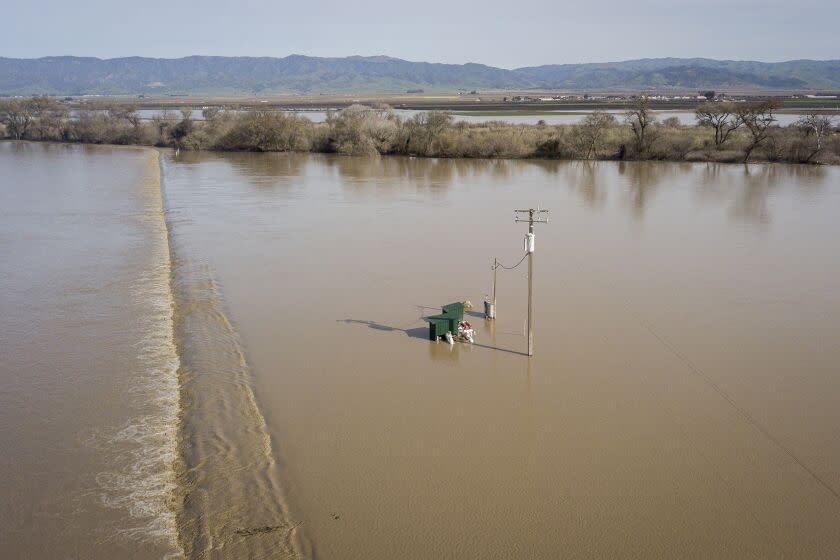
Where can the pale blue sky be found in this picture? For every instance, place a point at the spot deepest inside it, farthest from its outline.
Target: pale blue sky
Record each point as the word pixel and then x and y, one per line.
pixel 499 33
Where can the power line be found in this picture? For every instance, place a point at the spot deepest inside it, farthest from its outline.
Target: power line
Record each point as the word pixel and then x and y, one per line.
pixel 500 265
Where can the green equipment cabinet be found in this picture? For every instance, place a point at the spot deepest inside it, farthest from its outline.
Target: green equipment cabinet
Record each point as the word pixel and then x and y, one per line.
pixel 453 313
pixel 455 309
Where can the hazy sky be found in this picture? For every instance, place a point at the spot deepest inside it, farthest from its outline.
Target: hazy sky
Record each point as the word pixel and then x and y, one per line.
pixel 505 33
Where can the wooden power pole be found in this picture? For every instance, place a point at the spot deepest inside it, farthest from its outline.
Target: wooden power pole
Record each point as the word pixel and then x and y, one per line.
pixel 534 217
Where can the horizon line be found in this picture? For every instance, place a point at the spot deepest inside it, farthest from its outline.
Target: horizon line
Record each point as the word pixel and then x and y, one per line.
pixel 385 56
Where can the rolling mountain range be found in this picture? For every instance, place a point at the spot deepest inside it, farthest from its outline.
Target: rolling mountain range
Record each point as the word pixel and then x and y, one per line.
pixel 69 75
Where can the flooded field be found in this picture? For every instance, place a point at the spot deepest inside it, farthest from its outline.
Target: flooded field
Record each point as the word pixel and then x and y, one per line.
pixel 550 117
pixel 682 396
pixel 681 401
pixel 687 118
pixel 88 384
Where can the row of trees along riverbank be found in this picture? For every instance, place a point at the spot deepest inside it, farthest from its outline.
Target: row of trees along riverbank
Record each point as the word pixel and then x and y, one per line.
pixel 726 132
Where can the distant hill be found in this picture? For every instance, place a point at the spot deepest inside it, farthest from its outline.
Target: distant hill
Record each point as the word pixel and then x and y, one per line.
pixel 68 75
pixel 689 73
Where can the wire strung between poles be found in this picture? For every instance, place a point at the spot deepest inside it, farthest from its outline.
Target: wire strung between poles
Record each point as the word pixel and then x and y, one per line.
pixel 500 265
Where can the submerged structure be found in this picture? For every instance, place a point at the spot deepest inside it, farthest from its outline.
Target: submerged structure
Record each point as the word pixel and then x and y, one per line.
pixel 450 323
pixel 439 325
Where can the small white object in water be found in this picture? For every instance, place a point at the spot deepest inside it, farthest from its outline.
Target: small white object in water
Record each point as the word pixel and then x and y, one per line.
pixel 466 332
pixel 449 338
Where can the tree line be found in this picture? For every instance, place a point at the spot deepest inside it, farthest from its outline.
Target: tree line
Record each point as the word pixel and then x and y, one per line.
pixel 728 132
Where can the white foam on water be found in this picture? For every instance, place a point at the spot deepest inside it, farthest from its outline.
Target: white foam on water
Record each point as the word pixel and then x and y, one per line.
pixel 142 481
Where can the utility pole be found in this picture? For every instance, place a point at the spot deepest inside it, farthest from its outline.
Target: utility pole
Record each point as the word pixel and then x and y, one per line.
pixel 490 305
pixel 495 269
pixel 534 217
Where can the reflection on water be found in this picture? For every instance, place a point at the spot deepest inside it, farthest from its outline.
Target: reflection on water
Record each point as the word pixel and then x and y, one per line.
pixel 586 183
pixel 743 188
pixel 642 181
pixel 261 170
pixel 418 172
pixel 748 197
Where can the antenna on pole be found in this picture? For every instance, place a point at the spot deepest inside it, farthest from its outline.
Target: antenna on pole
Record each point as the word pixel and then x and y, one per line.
pixel 534 216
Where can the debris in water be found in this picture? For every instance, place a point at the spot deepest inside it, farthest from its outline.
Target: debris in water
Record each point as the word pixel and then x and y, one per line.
pixel 466 332
pixel 257 530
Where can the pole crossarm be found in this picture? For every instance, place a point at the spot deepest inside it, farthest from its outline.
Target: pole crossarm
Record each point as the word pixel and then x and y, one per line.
pixel 534 216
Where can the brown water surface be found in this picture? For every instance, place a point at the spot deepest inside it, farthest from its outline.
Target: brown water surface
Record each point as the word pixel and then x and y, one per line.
pixel 251 378
pixel 682 400
pixel 88 386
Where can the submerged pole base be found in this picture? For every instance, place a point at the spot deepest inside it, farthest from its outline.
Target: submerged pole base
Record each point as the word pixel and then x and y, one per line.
pixel 489 310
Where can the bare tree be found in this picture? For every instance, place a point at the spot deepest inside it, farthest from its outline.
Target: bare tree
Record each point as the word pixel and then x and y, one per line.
pixel 16 115
pixel 722 117
pixel 424 129
pixel 164 123
pixel 815 128
pixel 757 118
pixel 363 130
pixel 127 113
pixel 183 129
pixel 264 130
pixel 210 113
pixel 48 118
pixel 591 130
pixel 436 123
pixel 671 122
pixel 640 117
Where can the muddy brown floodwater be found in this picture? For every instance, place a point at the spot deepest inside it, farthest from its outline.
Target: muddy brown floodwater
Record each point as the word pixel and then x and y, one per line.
pixel 681 402
pixel 88 384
